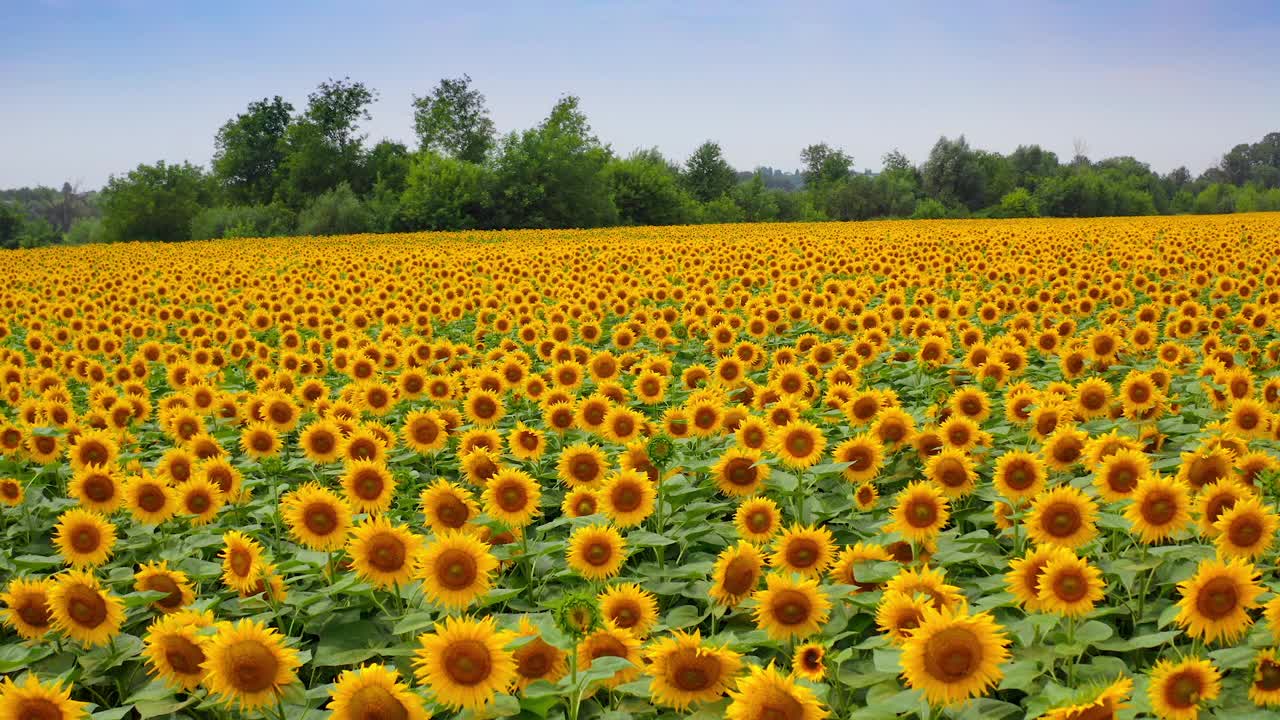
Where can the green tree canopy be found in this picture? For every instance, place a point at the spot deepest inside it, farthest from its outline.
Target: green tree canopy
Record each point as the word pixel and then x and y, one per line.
pixel 707 175
pixel 249 150
pixel 454 121
pixel 154 202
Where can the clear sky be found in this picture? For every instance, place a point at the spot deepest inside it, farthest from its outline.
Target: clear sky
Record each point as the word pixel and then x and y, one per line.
pixel 91 88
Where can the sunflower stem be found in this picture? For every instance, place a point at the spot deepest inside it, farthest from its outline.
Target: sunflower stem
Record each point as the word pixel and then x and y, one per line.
pixel 575 697
pixel 659 520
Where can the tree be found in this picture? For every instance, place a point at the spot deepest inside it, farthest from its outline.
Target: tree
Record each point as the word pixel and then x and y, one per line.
pixel 824 165
pixel 445 193
pixel 895 161
pixel 250 149
pixel 323 146
pixel 646 191
pixel 954 175
pixel 10 225
pixel 755 201
pixel 707 176
pixel 336 212
pixel 154 202
pixel 1030 163
pixel 1018 203
pixel 552 175
pixel 454 121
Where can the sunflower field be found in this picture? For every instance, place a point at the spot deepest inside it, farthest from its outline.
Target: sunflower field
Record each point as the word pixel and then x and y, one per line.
pixel 930 469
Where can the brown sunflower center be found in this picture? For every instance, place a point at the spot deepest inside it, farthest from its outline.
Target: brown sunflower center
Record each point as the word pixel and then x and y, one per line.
pixel 150 498
pixel 799 443
pixel 86 606
pixel 386 553
pixel 1070 587
pixel 369 484
pixel 85 538
pixel 791 607
pixel 1268 676
pixel 34 612
pixel 605 645
pixel 1123 478
pixel 251 667
pixel 1158 508
pixel 198 502
pixel 456 569
pixel 452 512
pixel 99 488
pixel 320 518
pixel 586 506
pixel 584 469
pixel 165 584
pixel 740 576
pixel 1062 519
pixel 375 703
pixel 1067 449
pixel 37 709
pixel 1218 598
pixel 183 655
pixel 922 513
pixel 598 553
pixel 1183 690
pixel 1245 532
pixel 512 497
pixel 802 553
pixel 739 472
pixel 694 673
pixel 759 521
pixel 322 442
pixel 952 654
pixel 240 561
pixel 534 659
pixel 1219 504
pixel 1020 476
pixel 951 473
pixel 626 616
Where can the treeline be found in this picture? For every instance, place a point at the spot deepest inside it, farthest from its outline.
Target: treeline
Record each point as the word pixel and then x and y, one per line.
pixel 278 170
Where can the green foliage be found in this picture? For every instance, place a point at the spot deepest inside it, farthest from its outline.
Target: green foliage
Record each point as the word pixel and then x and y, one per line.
pixel 323 147
pixel 154 202
pixel 646 191
pixel 954 174
pixel 336 212
pixel 250 149
pixel 10 225
pixel 757 203
pixel 85 231
pixel 243 221
pixel 824 164
pixel 1018 203
pixel 721 210
pixel 929 209
pixel 707 175
pixel 444 193
pixel 553 175
pixel 454 121
pixel 1217 198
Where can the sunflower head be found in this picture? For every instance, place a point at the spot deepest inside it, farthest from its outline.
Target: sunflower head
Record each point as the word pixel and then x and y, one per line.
pixel 953 656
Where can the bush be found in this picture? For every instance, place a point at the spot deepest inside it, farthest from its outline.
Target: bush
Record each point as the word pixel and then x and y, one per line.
pixel 1017 203
pixel 443 193
pixel 336 212
pixel 929 209
pixel 721 210
pixel 85 231
pixel 243 221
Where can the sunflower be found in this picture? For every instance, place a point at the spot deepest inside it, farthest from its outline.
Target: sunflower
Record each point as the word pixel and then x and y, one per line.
pixel 483 408
pixel 865 455
pixel 321 441
pixel 222 473
pixel 526 443
pixel 247 664
pixel 929 582
pixel 93 447
pixel 465 662
pixel 363 444
pixel 809 662
pixel 596 552
pixel 952 471
pixel 84 539
pixel 97 488
pixel 10 492
pixel 424 432
pixel 1069 585
pixel 1023 578
pixel 685 671
pixel 1118 475
pixel 34 700
pixel 1246 530
pixel 374 691
pixel 382 553
pixel 808 551
pixel 580 502
pixel 752 433
pixel 920 512
pixel 82 610
pixel 1264 690
pixel 447 506
pixel 629 607
pixel 1216 498
pixel 259 441
pixel 174 648
pixel 455 569
pixel 758 519
pixel 790 607
pixel 767 694
pixel 159 577
pixel 368 486
pixel 739 472
pixel 611 641
pixel 1099 704
pixel 843 570
pixel 1019 475
pixel 1064 448
pixel 536 659
pixel 866 496
pixel 26 607
pixel 1206 466
pixel 512 496
pixel 622 424
pixel 627 497
pixel 582 465
pixel 1063 516
pixel 1216 600
pixel 241 561
pixel 1161 507
pixel 1177 690
pixel 200 499
pixel 899 614
pixel 1092 398
pixel 317 518
pixel 150 499
pixel 953 656
pixel 737 573
pixel 799 444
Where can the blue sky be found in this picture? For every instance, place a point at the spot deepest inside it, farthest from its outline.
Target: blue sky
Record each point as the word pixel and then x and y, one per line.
pixel 94 88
